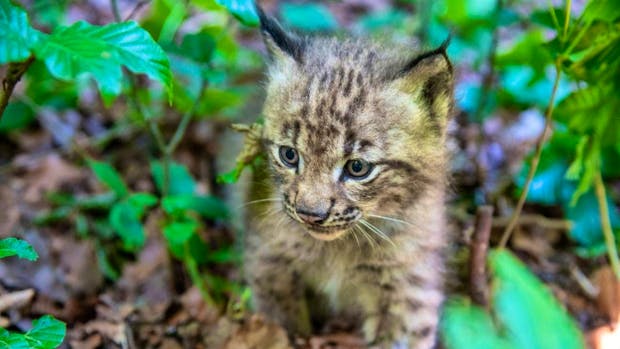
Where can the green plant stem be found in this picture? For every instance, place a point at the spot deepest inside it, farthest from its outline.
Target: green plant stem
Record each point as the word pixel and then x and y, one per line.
pixel 187 117
pixel 197 279
pixel 608 233
pixel 14 73
pixel 535 160
pixel 566 20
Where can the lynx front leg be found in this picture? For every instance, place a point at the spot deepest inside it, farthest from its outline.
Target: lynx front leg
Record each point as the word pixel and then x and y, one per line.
pixel 279 292
pixel 401 310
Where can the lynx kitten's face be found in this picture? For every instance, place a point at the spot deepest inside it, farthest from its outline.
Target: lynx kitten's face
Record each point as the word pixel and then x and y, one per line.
pixel 353 130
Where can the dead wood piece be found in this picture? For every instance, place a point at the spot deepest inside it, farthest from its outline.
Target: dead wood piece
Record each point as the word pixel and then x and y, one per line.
pixel 477 262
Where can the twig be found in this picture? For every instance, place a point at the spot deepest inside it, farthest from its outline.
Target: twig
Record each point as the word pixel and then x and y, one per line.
pixel 535 219
pixel 13 75
pixel 115 10
pixel 608 233
pixel 477 260
pixel 136 8
pixel 539 146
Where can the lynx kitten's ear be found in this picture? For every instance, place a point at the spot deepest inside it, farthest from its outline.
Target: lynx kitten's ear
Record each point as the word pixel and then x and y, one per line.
pixel 430 78
pixel 280 44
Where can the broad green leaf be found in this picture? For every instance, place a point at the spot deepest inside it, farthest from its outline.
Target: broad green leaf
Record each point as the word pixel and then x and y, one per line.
pixel 466 326
pixel 530 315
pixel 605 10
pixel 109 176
pixel 181 181
pixel 207 206
pixel 178 233
pixel 228 254
pixel 308 17
pixel 17 247
pixel 243 10
pixel 17 37
pixel 12 340
pixel 125 219
pixel 16 116
pixel 47 333
pixel 142 200
pixel 100 51
pixel 586 220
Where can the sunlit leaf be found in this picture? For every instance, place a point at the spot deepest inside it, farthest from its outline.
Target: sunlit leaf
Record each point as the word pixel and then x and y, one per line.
pixel 466 326
pixel 17 37
pixel 46 333
pixel 530 315
pixel 12 340
pixel 100 51
pixel 17 247
pixel 243 10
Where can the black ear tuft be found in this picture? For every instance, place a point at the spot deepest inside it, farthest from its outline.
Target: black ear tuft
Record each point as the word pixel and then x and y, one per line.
pixel 429 56
pixel 278 41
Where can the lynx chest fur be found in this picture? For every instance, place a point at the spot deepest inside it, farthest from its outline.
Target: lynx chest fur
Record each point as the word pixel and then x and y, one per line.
pixel 349 208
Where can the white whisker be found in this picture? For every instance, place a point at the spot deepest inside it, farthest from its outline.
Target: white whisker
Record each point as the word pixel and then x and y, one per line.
pixel 377 231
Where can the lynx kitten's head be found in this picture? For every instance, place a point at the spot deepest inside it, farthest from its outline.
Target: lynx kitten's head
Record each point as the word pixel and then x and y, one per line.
pixel 354 130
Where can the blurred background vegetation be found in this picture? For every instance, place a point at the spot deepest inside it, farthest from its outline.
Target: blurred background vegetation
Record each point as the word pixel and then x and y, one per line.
pixel 117 160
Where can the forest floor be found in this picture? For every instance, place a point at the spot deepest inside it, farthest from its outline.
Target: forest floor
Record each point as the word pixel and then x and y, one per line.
pixel 153 304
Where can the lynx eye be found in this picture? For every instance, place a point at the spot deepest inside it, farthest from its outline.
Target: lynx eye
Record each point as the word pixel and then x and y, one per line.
pixel 289 156
pixel 357 168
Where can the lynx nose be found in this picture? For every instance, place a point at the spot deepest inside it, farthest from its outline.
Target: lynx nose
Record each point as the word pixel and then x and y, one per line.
pixel 311 217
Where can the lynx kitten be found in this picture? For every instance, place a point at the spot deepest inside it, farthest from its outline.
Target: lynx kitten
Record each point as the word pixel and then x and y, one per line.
pixel 350 207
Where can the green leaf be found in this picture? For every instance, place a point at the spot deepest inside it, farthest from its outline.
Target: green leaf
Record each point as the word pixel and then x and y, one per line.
pixel 308 17
pixel 17 247
pixel 462 320
pixel 181 181
pixel 107 175
pixel 125 219
pixel 605 10
pixel 17 37
pixel 47 333
pixel 16 116
pixel 586 220
pixel 530 315
pixel 178 233
pixel 12 340
pixel 101 51
pixel 243 10
pixel 207 206
pixel 142 200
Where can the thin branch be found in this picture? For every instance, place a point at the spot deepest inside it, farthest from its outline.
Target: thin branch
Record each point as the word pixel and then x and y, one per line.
pixel 608 233
pixel 187 117
pixel 136 8
pixel 477 261
pixel 539 146
pixel 536 220
pixel 115 11
pixel 14 73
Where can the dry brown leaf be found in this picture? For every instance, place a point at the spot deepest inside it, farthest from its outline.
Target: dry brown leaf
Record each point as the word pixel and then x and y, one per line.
pixel 9 214
pixel 608 299
pixel 47 174
pixel 257 333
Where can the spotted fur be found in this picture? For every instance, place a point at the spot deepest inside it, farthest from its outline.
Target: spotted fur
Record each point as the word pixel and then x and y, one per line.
pixel 368 248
